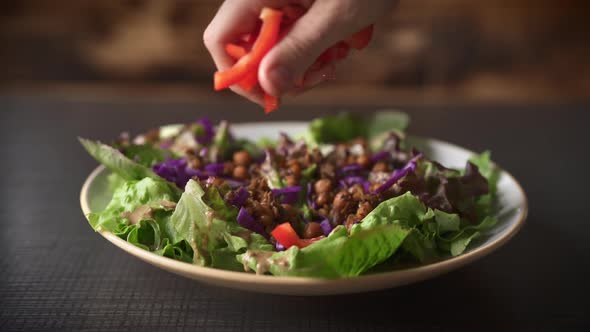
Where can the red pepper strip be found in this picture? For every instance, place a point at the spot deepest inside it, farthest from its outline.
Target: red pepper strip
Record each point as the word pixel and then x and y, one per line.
pixel 286 235
pixel 271 22
pixel 250 81
pixel 235 51
pixel 361 39
pixel 271 103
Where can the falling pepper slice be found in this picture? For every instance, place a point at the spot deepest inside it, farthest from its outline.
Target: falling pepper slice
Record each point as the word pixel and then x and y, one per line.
pixel 267 38
pixel 237 52
pixel 271 103
pixel 250 81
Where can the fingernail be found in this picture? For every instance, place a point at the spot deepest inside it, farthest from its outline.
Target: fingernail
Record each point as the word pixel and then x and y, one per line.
pixel 281 78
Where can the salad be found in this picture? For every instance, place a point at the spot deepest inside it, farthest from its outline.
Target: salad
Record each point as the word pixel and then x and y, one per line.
pixel 336 201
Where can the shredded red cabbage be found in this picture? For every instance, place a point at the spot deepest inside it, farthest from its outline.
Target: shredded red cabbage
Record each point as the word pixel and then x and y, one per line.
pixel 398 174
pixel 165 145
pixel 245 220
pixel 381 155
pixel 352 180
pixel 206 135
pixel 289 194
pixel 177 171
pixel 351 168
pixel 326 226
pixel 239 197
pixel 233 183
pixel 279 247
pixel 215 169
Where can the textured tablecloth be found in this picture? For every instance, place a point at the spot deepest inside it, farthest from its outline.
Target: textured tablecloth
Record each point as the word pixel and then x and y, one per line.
pixel 57 274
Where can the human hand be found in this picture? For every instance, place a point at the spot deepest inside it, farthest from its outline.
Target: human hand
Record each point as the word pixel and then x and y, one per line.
pixel 325 23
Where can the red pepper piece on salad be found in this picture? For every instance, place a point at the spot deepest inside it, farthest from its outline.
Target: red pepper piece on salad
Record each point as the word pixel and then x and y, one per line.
pixel 286 235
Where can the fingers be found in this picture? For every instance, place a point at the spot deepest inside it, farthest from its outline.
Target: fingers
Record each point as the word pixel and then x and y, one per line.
pixel 255 95
pixel 310 36
pixel 233 19
pixel 325 23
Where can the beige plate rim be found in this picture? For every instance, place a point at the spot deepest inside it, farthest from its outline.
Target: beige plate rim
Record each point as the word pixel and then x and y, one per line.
pixel 311 286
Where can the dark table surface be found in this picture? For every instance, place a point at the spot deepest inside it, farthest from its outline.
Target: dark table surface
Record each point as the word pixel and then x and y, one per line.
pixel 57 274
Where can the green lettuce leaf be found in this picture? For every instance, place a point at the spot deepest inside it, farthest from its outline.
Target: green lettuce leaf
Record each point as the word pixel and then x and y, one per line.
pixel 115 161
pixel 387 121
pixel 270 171
pixel 421 245
pixel 221 145
pixel 146 154
pixel 346 126
pixel 485 204
pixel 215 242
pixel 376 238
pixel 145 234
pixel 446 222
pixel 180 251
pixel 456 242
pixel 459 245
pixel 487 169
pixel 115 181
pixel 128 197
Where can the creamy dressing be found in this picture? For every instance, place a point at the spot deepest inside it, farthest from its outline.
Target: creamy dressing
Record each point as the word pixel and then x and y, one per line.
pixel 167 205
pixel 263 260
pixel 141 212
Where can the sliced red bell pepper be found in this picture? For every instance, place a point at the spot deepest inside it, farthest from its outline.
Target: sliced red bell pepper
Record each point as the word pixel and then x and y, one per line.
pixel 250 81
pixel 235 51
pixel 271 103
pixel 361 39
pixel 269 31
pixel 286 235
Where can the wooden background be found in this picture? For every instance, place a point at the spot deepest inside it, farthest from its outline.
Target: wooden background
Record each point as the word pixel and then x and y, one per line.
pixel 426 51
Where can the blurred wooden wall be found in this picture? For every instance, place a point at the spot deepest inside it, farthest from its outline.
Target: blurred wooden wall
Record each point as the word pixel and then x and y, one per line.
pixel 501 48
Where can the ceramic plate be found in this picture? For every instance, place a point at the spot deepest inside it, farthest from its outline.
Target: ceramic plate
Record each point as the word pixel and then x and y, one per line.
pixel 511 213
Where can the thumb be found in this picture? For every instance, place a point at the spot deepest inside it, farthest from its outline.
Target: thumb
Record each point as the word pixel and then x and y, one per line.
pixel 293 55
